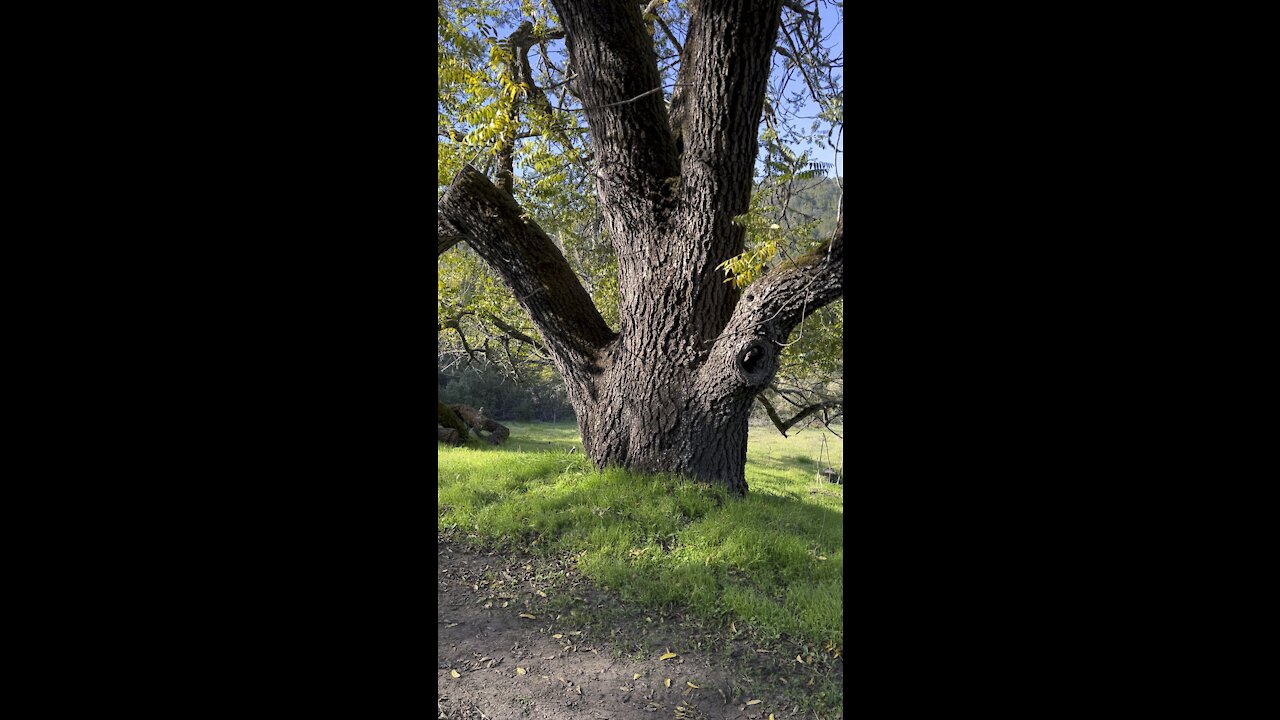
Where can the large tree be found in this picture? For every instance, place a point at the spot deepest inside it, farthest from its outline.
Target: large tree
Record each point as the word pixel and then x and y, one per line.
pixel 671 389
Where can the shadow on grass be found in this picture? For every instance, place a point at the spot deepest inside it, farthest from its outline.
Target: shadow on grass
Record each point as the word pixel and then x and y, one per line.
pixel 527 445
pixel 789 462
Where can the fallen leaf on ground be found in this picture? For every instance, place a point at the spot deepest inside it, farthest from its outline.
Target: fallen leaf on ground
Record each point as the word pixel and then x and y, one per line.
pixel 686 682
pixel 558 635
pixel 636 676
pixel 667 655
pixel 668 682
pixel 527 615
pixel 754 702
pixel 799 660
pixel 454 673
pixel 520 671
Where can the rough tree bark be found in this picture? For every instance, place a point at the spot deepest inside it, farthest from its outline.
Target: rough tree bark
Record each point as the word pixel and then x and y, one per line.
pixel 671 391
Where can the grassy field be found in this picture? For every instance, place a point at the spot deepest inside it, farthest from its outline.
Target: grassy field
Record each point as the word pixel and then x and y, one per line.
pixel 773 561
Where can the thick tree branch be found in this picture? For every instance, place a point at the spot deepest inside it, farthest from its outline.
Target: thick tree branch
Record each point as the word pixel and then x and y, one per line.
pixel 716 114
pixel 613 55
pixel 530 263
pixel 723 78
pixel 745 355
pixel 446 236
pixel 785 296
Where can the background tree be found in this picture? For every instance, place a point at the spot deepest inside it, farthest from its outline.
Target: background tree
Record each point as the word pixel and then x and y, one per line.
pixel 663 372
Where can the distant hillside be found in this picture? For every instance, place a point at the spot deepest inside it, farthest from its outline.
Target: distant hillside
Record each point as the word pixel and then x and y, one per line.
pixel 817 199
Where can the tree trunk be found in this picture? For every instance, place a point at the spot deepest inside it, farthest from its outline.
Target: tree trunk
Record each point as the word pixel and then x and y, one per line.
pixel 671 389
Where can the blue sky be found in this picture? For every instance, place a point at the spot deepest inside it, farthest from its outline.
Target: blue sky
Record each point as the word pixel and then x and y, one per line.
pixel 833 27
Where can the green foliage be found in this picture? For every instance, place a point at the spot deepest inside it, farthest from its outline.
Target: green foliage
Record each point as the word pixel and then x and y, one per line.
pixel 539 396
pixel 773 225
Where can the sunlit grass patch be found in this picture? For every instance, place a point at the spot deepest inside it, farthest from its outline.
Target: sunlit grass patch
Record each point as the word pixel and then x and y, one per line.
pixel 773 559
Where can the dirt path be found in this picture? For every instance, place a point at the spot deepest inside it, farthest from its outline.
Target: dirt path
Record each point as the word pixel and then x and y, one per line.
pixel 530 639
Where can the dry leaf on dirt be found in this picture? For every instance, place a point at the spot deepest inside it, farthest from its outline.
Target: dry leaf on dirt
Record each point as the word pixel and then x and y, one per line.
pixel 754 702
pixel 520 671
pixel 454 673
pixel 668 682
pixel 527 615
pixel 667 655
pixel 686 682
pixel 636 676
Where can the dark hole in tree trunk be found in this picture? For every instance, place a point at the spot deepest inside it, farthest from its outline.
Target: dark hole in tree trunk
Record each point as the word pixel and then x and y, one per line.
pixel 753 362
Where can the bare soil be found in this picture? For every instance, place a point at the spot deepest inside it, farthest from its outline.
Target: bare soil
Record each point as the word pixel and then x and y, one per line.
pixel 529 638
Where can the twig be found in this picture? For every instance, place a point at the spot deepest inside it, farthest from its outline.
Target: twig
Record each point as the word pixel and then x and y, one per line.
pixel 622 102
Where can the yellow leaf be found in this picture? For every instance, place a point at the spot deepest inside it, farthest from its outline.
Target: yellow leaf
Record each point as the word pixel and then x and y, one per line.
pixel 732 627
pixel 770 716
pixel 691 684
pixel 799 660
pixel 668 682
pixel 822 557
pixel 544 594
pixel 527 615
pixel 558 636
pixel 753 702
pixel 454 673
pixel 520 671
pixel 667 655
pixel 636 676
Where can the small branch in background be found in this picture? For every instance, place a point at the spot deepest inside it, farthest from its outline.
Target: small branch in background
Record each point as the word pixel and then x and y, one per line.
pixel 670 36
pixel 783 427
pixel 796 7
pixel 516 334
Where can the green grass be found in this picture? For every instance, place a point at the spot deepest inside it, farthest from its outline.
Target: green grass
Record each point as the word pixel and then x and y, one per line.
pixel 665 541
